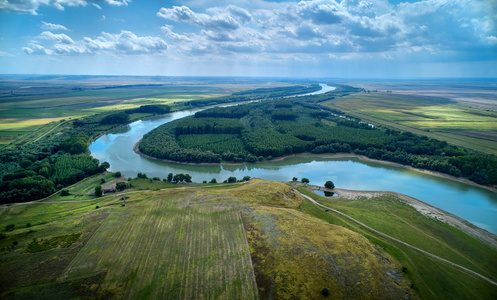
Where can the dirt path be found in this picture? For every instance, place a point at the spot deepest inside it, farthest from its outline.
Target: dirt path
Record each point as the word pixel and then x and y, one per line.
pixel 466 270
pixel 56 126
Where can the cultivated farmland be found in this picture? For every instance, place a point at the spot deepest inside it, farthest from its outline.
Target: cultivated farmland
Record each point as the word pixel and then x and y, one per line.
pixel 434 117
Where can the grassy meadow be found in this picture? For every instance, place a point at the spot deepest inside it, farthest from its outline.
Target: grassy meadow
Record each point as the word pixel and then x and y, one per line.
pixel 433 117
pixel 229 241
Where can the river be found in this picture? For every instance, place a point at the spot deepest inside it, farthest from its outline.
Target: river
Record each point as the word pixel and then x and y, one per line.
pixel 477 205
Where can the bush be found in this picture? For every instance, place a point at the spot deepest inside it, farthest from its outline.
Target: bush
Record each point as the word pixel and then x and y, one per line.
pixel 10 227
pixel 305 180
pixel 64 192
pixel 231 179
pixel 213 180
pixel 325 292
pixel 102 180
pixel 117 174
pixel 246 178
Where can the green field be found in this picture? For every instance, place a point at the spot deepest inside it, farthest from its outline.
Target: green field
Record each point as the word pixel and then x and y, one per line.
pixel 433 117
pixel 230 241
pixel 430 278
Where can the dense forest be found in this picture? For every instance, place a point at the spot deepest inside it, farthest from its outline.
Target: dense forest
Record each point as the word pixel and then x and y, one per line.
pixel 277 127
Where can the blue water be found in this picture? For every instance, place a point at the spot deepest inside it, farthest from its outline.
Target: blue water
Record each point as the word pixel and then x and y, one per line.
pixel 478 206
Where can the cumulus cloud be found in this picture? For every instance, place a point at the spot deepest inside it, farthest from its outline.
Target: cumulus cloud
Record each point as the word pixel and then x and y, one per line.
pixel 51 26
pixel 58 38
pixel 332 27
pixel 36 49
pixel 241 14
pixel 31 6
pixel 169 33
pixel 125 42
pixel 185 14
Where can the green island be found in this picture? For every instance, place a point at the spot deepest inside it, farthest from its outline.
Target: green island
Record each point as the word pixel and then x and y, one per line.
pixel 274 128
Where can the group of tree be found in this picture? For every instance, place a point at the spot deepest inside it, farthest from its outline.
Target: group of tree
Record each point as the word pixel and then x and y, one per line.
pixel 282 127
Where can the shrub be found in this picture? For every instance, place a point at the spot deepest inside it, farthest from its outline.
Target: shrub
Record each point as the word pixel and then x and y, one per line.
pixel 98 191
pixel 64 192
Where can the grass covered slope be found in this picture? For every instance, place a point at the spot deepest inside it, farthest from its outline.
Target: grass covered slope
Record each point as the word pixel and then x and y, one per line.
pixel 255 240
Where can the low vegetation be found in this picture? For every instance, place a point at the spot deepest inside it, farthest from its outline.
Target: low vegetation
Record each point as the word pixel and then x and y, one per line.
pixel 229 241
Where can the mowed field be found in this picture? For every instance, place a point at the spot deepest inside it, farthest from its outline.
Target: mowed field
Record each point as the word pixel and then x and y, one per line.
pixel 252 240
pixel 433 117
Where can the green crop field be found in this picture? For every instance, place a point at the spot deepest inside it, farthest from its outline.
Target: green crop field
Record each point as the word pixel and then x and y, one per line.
pixel 433 117
pixel 229 241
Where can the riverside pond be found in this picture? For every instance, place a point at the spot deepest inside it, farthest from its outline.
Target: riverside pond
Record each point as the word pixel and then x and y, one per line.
pixel 474 204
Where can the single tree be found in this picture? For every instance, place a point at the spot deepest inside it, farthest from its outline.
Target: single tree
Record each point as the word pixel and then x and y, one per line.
pixel 98 191
pixel 329 185
pixel 213 180
pixel 304 180
pixel 117 174
pixel 170 177
pixel 231 179
pixel 295 179
pixel 64 192
pixel 246 178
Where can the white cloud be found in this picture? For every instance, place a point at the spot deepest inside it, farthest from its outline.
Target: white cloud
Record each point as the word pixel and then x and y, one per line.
pixel 332 27
pixel 51 26
pixel 59 38
pixel 168 32
pixel 31 6
pixel 125 42
pixel 241 14
pixel 97 6
pixel 36 49
pixel 185 14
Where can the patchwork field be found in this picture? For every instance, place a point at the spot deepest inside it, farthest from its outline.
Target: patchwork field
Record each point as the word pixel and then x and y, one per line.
pixel 26 105
pixel 255 240
pixel 434 117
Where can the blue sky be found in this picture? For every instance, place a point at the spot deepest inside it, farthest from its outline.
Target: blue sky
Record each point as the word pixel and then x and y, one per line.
pixel 314 38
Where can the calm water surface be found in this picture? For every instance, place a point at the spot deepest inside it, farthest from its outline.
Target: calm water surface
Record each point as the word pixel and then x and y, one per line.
pixel 476 205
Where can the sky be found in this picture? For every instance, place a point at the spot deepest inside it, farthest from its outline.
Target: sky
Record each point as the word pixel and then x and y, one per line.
pixel 263 38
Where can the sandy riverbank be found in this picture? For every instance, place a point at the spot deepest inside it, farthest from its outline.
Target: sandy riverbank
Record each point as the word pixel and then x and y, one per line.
pixel 423 208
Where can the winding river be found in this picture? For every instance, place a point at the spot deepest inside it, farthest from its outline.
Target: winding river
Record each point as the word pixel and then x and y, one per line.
pixel 477 205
